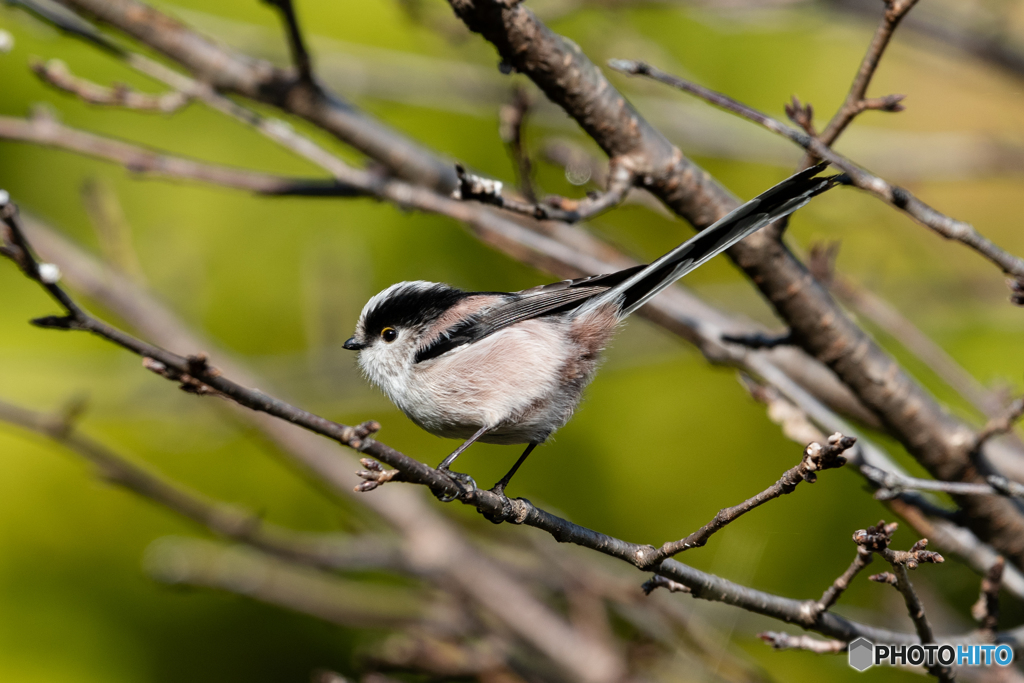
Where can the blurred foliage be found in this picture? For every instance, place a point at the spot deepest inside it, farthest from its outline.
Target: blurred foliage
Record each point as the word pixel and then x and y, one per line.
pixel 663 441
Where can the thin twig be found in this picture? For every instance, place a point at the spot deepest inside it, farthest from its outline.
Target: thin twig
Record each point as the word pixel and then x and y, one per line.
pixel 856 100
pixel 473 187
pixel 56 73
pixel 46 131
pixel 785 641
pixel 228 521
pixel 1002 423
pixel 986 610
pixel 658 581
pixel 891 484
pixel 300 55
pixel 833 592
pixel 959 541
pixel 760 340
pixel 512 124
pixel 225 71
pixel 900 198
pixel 876 539
pixel 816 458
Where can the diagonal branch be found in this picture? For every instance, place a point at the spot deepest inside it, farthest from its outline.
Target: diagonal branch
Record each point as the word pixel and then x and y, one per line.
pixel 816 458
pixel 833 592
pixel 785 641
pixel 898 197
pixel 48 132
pixel 193 373
pixel 315 550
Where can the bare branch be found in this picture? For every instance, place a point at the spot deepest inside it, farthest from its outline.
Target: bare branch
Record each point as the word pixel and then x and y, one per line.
pixel 659 581
pixel 759 340
pixel 56 73
pixel 193 373
pixel 151 163
pixel 300 55
pixel 192 562
pixel 226 71
pixel 900 198
pixel 986 610
pixel 891 484
pixel 958 541
pixel 856 100
pixel 1002 423
pixel 785 641
pixel 816 458
pixel 512 123
pixel 320 551
pixel 477 188
pixel 876 539
pixel 833 592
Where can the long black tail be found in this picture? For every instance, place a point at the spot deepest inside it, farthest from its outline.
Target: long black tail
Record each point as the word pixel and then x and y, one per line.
pixel 778 201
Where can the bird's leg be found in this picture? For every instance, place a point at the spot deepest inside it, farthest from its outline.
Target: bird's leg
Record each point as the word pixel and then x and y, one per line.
pixel 464 479
pixel 499 488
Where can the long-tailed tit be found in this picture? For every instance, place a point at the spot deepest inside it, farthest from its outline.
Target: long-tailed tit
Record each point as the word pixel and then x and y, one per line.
pixel 510 368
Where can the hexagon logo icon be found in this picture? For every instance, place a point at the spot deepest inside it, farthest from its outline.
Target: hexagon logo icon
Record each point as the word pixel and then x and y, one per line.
pixel 862 654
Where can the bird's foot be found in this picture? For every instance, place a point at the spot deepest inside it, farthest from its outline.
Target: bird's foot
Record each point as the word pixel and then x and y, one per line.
pixel 465 483
pixel 506 504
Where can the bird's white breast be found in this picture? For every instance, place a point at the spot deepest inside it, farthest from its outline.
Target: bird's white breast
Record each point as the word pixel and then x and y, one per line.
pixel 506 381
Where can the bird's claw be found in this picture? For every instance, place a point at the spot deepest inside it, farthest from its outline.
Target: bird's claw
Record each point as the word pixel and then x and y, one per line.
pixel 465 483
pixel 506 506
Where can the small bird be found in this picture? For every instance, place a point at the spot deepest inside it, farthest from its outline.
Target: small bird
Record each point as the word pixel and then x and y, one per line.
pixel 510 367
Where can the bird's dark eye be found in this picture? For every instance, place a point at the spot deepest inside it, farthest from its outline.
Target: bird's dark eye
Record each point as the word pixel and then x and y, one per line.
pixel 389 334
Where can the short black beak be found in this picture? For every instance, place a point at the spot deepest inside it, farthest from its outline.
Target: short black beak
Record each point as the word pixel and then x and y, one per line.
pixel 352 345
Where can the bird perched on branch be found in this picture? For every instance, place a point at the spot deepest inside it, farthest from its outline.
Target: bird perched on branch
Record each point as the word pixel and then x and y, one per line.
pixel 510 368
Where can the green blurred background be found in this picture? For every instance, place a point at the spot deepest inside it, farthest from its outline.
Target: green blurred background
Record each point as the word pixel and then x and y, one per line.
pixel 663 440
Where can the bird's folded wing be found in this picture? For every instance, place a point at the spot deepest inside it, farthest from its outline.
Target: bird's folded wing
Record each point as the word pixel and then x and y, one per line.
pixel 526 305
